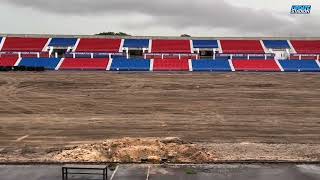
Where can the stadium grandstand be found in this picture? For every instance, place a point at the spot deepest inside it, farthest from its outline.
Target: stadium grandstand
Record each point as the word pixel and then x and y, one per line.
pixel 113 53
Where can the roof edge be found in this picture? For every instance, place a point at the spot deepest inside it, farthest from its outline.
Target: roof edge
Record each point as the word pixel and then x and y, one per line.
pixel 160 37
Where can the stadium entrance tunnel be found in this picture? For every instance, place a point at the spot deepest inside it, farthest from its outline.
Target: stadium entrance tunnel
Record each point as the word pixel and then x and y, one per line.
pixel 135 53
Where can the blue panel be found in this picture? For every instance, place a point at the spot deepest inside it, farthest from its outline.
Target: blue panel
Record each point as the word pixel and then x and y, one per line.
pixel 0 39
pixel 63 42
pixel 205 44
pixel 299 65
pixel 211 65
pixel 47 63
pixel 276 44
pixel 136 43
pixel 122 64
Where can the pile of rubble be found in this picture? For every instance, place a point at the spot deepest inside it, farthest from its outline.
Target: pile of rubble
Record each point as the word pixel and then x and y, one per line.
pixel 152 150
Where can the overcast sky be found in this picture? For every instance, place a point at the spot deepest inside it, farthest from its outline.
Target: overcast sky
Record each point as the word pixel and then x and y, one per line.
pixel 160 17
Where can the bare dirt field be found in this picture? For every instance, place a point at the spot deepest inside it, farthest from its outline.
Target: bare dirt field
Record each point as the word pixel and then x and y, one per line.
pixel 235 116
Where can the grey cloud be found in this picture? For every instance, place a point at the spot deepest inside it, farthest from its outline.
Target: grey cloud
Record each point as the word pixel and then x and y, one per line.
pixel 181 14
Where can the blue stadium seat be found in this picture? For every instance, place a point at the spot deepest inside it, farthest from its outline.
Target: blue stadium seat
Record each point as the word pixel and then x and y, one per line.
pixel 276 44
pixel 136 43
pixel 63 42
pixel 211 65
pixel 47 63
pixel 123 64
pixel 205 44
pixel 299 65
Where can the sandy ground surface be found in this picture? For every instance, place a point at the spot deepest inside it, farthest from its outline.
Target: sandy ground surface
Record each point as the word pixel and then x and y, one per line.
pixel 235 116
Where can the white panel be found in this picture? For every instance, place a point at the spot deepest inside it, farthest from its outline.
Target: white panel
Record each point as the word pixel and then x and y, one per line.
pixel 59 64
pixel 109 65
pixel 190 65
pixel 2 42
pixel 231 65
pixel 151 64
pixel 278 63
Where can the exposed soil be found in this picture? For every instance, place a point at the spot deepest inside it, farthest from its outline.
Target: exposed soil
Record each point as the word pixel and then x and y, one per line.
pixel 157 150
pixel 233 116
pixel 136 150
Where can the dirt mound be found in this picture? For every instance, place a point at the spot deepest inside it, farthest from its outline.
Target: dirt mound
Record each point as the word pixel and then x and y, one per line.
pixel 135 150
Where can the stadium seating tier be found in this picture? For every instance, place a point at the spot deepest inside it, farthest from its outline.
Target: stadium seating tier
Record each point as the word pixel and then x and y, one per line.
pixel 136 43
pixel 47 63
pixel 255 65
pixel 211 65
pixel 20 44
pixel 205 44
pixel 299 65
pixel 63 42
pixel 276 44
pixel 123 64
pixel 8 61
pixel 306 46
pixel 171 46
pixel 84 64
pixel 99 45
pixel 241 47
pixel 171 65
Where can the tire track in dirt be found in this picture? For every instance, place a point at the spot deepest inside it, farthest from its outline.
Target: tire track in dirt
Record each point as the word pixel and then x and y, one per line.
pixel 9 94
pixel 66 107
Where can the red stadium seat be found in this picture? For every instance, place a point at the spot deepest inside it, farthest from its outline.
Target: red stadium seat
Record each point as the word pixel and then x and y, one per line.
pixel 99 45
pixel 306 46
pixel 171 46
pixel 241 47
pixel 171 65
pixel 8 61
pixel 19 44
pixel 84 64
pixel 255 65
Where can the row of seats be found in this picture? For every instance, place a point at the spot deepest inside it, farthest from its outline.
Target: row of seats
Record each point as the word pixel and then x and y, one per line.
pixel 84 64
pixel 25 54
pixel 99 45
pixel 29 44
pixel 24 44
pixel 122 64
pixel 305 57
pixel 306 47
